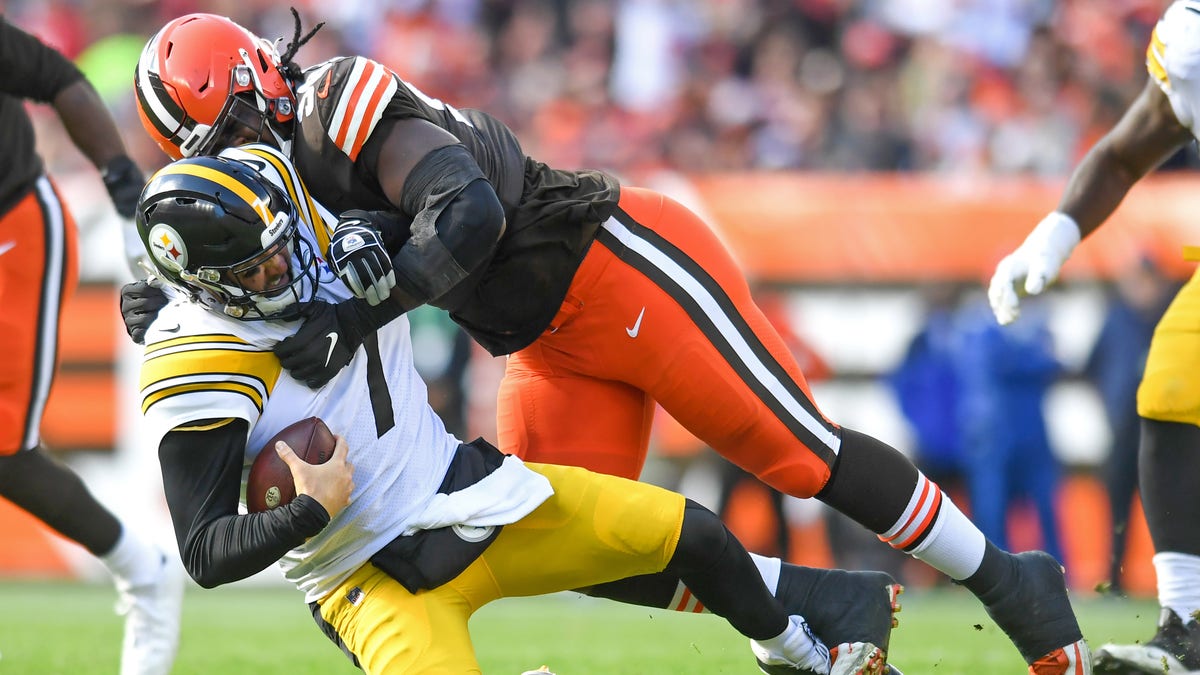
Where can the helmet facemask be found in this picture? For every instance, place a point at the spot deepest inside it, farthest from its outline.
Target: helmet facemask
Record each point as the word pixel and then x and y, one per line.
pixel 279 301
pixel 248 116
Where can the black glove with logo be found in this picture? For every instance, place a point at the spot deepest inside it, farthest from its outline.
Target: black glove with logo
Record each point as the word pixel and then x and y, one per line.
pixel 357 254
pixel 140 304
pixel 330 336
pixel 124 181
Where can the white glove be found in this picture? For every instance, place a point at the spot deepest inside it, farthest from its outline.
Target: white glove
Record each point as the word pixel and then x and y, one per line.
pixel 1034 264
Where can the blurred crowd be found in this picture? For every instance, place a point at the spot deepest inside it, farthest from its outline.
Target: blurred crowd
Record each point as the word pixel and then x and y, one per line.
pixel 636 86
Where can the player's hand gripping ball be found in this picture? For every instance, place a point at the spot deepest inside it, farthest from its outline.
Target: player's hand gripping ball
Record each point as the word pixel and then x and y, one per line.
pixel 270 483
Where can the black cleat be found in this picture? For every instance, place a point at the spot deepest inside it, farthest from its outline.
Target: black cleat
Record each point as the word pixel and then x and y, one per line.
pixel 1174 649
pixel 840 605
pixel 1035 613
pixel 853 612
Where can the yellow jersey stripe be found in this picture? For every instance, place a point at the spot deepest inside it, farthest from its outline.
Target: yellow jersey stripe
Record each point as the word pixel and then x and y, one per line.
pixel 194 339
pixel 261 366
pixel 1154 59
pixel 225 181
pixel 319 226
pixel 204 427
pixel 186 388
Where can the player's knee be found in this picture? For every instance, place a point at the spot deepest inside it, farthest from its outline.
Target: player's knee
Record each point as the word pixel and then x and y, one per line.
pixel 701 536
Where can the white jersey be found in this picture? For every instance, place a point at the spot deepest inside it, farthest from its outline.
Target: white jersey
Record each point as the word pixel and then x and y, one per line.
pixel 199 364
pixel 1173 59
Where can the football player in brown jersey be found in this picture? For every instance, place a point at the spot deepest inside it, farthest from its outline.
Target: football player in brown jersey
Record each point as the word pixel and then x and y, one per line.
pixel 606 298
pixel 38 272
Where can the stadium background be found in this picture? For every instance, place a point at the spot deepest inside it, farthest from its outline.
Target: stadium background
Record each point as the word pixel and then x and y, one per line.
pixel 851 152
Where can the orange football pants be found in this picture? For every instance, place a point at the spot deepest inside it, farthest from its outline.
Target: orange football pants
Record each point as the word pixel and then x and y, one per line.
pixel 660 311
pixel 38 271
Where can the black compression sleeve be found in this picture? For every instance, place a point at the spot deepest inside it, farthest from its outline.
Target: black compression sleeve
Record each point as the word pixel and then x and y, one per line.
pixel 712 563
pixel 202 474
pixel 1168 464
pixel 861 461
pixel 457 222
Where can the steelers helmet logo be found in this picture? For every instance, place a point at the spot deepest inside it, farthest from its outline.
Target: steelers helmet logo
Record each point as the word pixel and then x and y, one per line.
pixel 167 247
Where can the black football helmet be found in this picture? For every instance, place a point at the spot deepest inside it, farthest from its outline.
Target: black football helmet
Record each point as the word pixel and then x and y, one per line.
pixel 208 221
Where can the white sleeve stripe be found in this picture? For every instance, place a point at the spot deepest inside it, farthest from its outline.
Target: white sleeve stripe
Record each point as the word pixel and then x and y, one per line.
pixel 346 100
pixel 354 127
pixel 347 125
pixel 363 128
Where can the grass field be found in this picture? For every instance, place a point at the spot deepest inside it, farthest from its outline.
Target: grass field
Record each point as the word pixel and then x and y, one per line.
pixel 51 628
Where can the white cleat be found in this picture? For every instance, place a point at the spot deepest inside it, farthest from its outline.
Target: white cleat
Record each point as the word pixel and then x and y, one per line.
pixel 152 616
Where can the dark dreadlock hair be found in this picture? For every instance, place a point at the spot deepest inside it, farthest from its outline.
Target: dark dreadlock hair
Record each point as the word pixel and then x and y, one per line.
pixel 291 70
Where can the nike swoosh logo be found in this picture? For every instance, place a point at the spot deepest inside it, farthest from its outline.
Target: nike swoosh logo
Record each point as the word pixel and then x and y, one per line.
pixel 637 325
pixel 333 338
pixel 7 246
pixel 323 91
pixel 174 329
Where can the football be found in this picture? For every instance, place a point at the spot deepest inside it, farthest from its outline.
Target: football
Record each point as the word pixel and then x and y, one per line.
pixel 270 482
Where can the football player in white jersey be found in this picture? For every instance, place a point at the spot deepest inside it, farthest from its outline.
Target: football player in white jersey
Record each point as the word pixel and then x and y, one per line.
pixel 1162 120
pixel 406 531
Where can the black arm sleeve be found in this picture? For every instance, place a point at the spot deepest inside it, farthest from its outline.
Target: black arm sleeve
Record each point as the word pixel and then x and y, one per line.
pixel 457 223
pixel 202 476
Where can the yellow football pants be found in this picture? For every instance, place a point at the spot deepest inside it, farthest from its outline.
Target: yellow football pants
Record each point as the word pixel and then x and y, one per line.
pixel 595 528
pixel 1170 388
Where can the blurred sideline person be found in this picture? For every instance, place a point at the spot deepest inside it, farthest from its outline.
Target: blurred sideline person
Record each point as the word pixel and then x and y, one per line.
pixel 1160 122
pixel 1005 375
pixel 406 531
pixel 606 299
pixel 38 272
pixel 1136 302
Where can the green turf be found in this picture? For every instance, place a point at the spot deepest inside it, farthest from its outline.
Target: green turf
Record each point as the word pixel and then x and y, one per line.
pixel 50 628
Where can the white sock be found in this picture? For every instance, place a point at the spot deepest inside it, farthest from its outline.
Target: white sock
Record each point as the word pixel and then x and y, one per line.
pixel 953 545
pixel 1178 583
pixel 796 646
pixel 134 561
pixel 768 569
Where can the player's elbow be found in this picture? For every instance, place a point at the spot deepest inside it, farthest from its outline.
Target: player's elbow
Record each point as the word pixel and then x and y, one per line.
pixel 472 224
pixel 203 569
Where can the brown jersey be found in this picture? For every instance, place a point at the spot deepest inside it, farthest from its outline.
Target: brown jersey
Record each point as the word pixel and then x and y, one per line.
pixel 28 70
pixel 552 215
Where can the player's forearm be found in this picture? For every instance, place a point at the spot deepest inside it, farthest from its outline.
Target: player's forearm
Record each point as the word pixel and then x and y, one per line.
pixel 202 483
pixel 89 123
pixel 234 547
pixel 1096 188
pixel 1146 135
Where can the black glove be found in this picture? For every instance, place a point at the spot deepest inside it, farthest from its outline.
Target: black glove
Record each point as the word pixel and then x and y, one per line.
pixel 329 337
pixel 140 304
pixel 124 182
pixel 357 254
